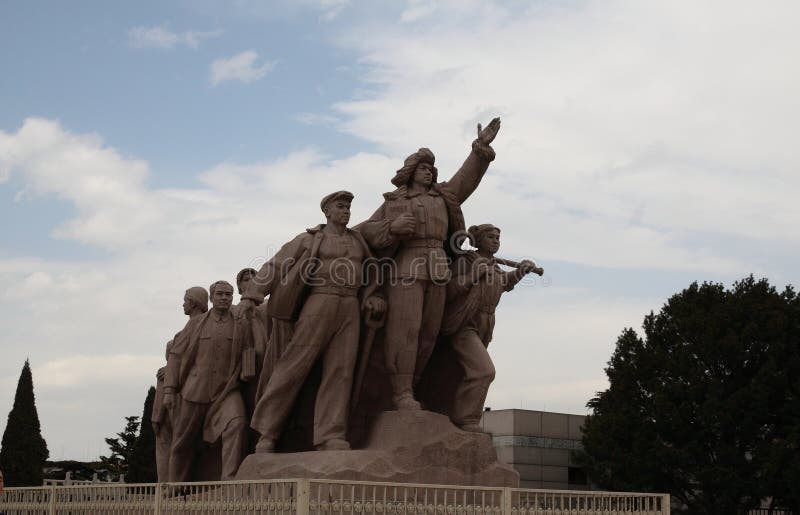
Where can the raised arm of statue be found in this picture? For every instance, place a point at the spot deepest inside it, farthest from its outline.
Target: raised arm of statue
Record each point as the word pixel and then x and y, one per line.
pixel 467 178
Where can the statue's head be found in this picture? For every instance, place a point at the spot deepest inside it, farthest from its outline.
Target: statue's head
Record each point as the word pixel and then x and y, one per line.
pixel 221 295
pixel 418 167
pixel 243 279
pixel 485 237
pixel 195 297
pixel 336 207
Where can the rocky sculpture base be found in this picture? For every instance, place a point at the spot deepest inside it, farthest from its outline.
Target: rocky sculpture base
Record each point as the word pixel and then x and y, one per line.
pixel 402 447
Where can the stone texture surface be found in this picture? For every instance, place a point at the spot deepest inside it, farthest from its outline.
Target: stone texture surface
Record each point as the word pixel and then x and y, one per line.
pixel 402 446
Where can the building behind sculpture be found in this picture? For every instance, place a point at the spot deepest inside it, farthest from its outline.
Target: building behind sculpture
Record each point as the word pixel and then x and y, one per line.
pixel 539 445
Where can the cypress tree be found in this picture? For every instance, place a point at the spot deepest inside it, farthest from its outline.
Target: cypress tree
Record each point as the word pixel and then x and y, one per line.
pixel 142 467
pixel 24 451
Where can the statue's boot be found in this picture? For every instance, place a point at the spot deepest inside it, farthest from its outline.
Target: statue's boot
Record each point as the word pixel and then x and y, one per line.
pixel 265 445
pixel 334 444
pixel 403 398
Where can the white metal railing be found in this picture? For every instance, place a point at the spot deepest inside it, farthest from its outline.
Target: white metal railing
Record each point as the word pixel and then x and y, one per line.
pixel 67 481
pixel 318 497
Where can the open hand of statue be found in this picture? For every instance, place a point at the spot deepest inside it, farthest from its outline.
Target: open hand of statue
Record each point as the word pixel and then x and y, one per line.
pixel 487 135
pixel 403 225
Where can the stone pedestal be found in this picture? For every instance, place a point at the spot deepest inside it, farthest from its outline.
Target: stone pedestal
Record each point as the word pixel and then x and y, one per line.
pixel 402 447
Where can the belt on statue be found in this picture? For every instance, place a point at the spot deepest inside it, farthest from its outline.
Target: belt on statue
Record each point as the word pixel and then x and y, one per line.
pixel 342 291
pixel 424 242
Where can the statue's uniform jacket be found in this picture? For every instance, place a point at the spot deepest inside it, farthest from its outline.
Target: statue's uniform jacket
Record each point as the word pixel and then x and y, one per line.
pixel 168 383
pixel 416 303
pixel 260 327
pixel 161 419
pixel 469 321
pixel 326 300
pixel 211 402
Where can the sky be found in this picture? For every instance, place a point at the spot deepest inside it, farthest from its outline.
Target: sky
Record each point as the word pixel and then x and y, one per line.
pixel 152 146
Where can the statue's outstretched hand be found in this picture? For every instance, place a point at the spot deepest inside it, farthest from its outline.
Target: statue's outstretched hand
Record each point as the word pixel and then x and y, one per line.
pixel 487 135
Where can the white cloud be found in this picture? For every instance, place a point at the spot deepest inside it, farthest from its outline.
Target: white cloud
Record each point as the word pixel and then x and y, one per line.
pixel 417 9
pixel 78 370
pixel 331 9
pixel 161 37
pixel 631 131
pixel 316 119
pixel 328 10
pixel 242 67
pixel 107 190
pixel 550 347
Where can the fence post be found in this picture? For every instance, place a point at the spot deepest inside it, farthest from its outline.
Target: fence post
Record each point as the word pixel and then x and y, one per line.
pixel 303 497
pixel 665 504
pixel 51 509
pixel 505 501
pixel 159 495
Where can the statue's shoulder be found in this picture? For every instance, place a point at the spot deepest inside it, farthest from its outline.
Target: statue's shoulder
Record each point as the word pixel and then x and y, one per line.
pixel 398 194
pixel 396 202
pixel 304 239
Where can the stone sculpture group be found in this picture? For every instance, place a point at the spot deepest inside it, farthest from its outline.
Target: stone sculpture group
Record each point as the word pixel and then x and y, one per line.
pixel 339 327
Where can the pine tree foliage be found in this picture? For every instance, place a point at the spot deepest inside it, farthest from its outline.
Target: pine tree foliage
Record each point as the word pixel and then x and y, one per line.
pixel 23 451
pixel 706 406
pixel 118 462
pixel 142 467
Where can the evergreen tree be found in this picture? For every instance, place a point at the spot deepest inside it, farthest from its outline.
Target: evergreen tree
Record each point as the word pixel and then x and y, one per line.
pixel 142 467
pixel 118 462
pixel 24 451
pixel 705 406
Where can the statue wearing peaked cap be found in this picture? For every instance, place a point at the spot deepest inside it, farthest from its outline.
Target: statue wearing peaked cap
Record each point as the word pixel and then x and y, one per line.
pixel 316 282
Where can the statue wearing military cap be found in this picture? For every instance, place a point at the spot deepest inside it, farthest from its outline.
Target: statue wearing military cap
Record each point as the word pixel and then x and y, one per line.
pixel 419 224
pixel 316 283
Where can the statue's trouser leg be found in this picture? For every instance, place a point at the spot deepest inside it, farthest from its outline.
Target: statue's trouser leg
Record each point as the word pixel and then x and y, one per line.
pixel 163 444
pixel 412 323
pixel 331 408
pixel 280 336
pixel 234 445
pixel 250 396
pixel 187 430
pixel 432 313
pixel 478 375
pixel 316 325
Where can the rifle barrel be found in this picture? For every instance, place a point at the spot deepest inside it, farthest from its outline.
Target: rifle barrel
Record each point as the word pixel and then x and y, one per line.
pixel 516 264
